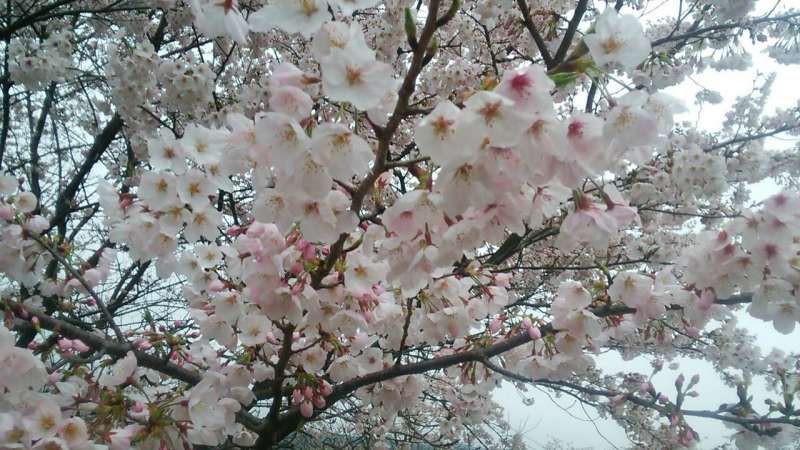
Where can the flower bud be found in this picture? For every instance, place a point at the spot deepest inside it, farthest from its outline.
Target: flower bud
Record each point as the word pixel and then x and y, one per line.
pixel 679 381
pixel 6 213
pixel 494 326
pixel 142 344
pixel 297 396
pixel 306 409
pixel 80 346
pixel 325 388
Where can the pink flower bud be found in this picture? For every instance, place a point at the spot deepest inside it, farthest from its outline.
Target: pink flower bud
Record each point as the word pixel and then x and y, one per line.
pixel 306 409
pixel 644 387
pixel 695 379
pixel 535 333
pixel 142 344
pixel 125 202
pixel 64 345
pixel 35 322
pixel 662 398
pixel 308 392
pixel 138 407
pixel 234 230
pixel 319 401
pixel 297 396
pixel 693 332
pixel 80 346
pixel 33 345
pixel 296 268
pixel 494 325
pixel 6 213
pixel 325 388
pixel 178 324
pixel 308 253
pixel 526 323
pixel 679 381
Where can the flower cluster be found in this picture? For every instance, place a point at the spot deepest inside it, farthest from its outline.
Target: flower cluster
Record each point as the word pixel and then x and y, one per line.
pixel 36 64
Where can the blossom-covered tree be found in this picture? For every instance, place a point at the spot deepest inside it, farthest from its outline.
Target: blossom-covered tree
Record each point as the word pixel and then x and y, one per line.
pixel 247 224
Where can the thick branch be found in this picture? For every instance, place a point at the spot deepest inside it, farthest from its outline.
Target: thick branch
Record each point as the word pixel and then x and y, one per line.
pixel 96 342
pixel 646 403
pixel 537 38
pixel 101 143
pixel 572 28
pixel 725 26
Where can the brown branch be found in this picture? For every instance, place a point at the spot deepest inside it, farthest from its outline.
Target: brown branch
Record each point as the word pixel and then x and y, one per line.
pixel 752 137
pixel 280 368
pixel 406 324
pixel 22 323
pixel 572 28
pixel 646 403
pixel 65 198
pixel 725 26
pixel 36 138
pixel 24 315
pixel 30 19
pixel 100 303
pixel 537 37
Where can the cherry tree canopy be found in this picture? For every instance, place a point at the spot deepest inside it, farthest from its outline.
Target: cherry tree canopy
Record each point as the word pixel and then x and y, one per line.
pixel 250 224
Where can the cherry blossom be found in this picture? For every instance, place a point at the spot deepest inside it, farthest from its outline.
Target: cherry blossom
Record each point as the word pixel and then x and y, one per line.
pixel 353 75
pixel 617 38
pixel 120 372
pixel 220 19
pixel 304 16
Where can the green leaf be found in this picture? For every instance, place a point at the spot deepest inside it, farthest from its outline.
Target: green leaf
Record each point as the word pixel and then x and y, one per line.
pixel 564 78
